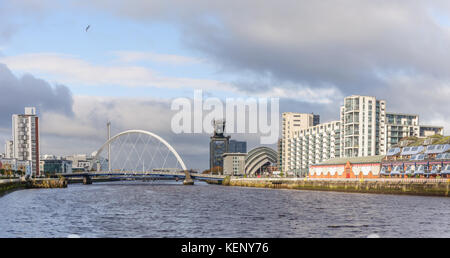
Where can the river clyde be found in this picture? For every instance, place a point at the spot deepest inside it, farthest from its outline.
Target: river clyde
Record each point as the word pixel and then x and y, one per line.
pixel 170 209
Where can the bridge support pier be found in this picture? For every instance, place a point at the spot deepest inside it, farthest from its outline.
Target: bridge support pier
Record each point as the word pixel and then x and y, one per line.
pixel 87 180
pixel 188 182
pixel 188 179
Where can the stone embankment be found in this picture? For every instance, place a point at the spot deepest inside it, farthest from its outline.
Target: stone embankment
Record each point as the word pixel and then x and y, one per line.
pixel 9 185
pixel 46 183
pixel 428 187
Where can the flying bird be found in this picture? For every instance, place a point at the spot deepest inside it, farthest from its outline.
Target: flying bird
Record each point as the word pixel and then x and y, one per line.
pixel 88 27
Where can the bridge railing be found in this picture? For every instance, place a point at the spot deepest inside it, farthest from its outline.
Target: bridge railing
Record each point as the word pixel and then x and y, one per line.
pixel 149 173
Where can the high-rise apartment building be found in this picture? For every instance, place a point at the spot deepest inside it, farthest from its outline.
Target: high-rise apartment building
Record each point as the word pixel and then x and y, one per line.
pixel 363 121
pixel 292 123
pixel 25 132
pixel 364 129
pixel 9 149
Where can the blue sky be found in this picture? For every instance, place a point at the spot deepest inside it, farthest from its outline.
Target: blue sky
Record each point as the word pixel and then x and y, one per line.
pixel 64 33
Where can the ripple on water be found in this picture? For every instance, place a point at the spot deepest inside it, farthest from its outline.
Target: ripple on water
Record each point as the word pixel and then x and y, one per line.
pixel 169 209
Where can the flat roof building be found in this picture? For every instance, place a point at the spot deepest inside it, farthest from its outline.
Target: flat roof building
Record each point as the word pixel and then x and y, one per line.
pixel 234 164
pixel 52 165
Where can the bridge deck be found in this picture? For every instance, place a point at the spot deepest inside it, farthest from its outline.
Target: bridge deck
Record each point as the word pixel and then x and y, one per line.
pixel 144 174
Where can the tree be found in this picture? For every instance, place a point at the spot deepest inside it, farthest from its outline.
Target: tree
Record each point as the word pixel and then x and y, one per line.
pixel 217 170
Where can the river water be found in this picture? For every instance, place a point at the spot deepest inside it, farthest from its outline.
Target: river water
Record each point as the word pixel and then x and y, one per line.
pixel 170 209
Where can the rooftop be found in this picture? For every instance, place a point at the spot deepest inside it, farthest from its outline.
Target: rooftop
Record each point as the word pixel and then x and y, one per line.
pixel 431 126
pixel 234 154
pixel 401 114
pixel 354 160
pixel 435 139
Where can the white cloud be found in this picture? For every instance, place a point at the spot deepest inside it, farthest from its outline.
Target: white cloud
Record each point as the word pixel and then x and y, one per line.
pixel 70 69
pixel 426 96
pixel 339 42
pixel 134 56
pixel 303 94
pixel 92 113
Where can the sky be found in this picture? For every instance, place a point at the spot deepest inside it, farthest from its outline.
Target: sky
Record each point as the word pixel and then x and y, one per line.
pixel 137 56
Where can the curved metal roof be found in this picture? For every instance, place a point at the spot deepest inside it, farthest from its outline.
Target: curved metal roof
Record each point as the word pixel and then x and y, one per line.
pixel 259 157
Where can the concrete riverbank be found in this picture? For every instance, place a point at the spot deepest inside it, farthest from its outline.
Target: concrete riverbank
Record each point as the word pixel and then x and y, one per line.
pixel 425 187
pixel 9 185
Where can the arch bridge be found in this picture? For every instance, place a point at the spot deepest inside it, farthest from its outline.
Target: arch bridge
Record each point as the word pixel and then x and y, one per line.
pixel 138 154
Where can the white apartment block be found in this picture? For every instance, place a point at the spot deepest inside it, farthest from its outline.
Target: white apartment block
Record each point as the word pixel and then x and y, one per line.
pixel 291 124
pixel 25 132
pixel 399 126
pixel 9 149
pixel 314 144
pixel 364 129
pixel 363 121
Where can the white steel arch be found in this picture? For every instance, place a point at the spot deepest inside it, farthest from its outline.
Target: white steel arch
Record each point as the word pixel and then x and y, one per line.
pixel 174 152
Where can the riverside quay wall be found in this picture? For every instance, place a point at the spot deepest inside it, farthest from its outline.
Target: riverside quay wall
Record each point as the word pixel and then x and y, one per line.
pixel 8 185
pixel 429 187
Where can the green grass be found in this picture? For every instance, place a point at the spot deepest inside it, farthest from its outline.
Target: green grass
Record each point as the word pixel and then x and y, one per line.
pixel 443 140
pixel 437 139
